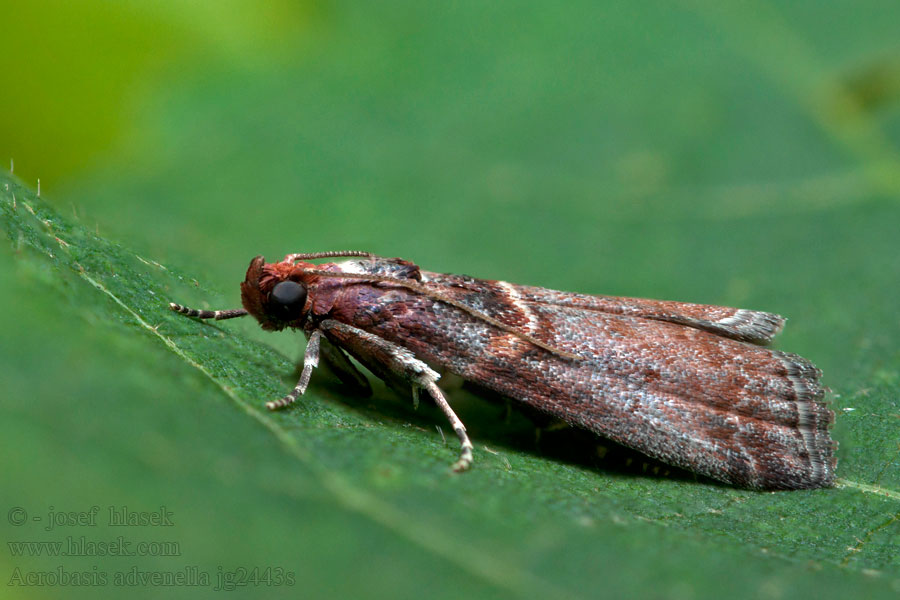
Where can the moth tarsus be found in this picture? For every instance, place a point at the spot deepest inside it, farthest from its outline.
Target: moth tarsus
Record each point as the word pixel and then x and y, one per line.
pixel 688 384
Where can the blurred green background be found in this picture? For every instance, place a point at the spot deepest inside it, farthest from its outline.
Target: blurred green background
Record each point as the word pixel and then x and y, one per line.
pixel 742 154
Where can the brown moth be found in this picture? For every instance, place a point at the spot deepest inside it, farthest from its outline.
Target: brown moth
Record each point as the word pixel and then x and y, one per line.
pixel 688 384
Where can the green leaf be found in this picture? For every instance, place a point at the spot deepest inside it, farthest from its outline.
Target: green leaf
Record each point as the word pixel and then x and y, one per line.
pixel 356 480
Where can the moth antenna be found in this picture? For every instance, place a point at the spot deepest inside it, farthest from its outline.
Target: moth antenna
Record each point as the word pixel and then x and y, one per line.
pixel 420 289
pixel 332 254
pixel 218 315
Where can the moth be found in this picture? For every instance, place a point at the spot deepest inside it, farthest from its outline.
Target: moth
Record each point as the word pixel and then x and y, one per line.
pixel 688 384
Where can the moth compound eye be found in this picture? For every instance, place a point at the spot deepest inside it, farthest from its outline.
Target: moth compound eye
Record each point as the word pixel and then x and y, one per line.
pixel 287 300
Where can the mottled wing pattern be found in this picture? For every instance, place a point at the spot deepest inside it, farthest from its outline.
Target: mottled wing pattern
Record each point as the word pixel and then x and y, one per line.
pixel 660 377
pixel 737 323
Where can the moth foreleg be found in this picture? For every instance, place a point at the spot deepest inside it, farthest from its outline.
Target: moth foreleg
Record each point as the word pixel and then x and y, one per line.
pixel 398 361
pixel 310 362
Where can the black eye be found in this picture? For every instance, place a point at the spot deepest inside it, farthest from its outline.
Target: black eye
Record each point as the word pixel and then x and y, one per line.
pixel 286 300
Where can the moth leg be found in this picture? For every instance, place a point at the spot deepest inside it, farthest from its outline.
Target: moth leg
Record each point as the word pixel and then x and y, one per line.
pixel 390 358
pixel 336 360
pixel 394 379
pixel 310 361
pixel 465 454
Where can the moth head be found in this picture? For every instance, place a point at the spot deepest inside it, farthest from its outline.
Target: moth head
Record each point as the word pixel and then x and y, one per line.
pixel 274 294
